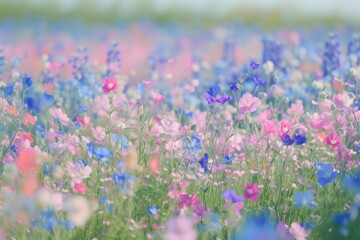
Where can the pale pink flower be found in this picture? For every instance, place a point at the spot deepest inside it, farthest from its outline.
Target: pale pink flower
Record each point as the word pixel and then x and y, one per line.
pixel 158 97
pixel 268 127
pixel 298 232
pixel 168 127
pixel 181 228
pixel 99 134
pixel 79 210
pixel 58 114
pixel 248 103
pixel 296 110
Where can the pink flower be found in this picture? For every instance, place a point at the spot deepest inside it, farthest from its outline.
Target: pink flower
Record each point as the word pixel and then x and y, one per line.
pixel 251 192
pixel 158 97
pixel 99 134
pixel 181 228
pixel 80 188
pixel 248 103
pixel 28 119
pixel 298 232
pixel 268 127
pixel 333 140
pixel 148 83
pixel 168 127
pixel 58 114
pixel 109 84
pixel 285 128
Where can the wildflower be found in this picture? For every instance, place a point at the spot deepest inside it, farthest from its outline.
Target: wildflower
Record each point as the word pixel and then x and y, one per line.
pixel 285 128
pixel 46 221
pixel 230 195
pixel 153 211
pixel 251 192
pixel 248 103
pixel 28 119
pixel 304 199
pixel 9 89
pixel 27 81
pixel 227 159
pixel 299 137
pixel 79 210
pixel 254 65
pixel 352 182
pixel 259 81
pixel 109 84
pixel 80 188
pixel 193 144
pixel 268 127
pixel 333 140
pixel 158 97
pixel 180 228
pixel 287 140
pixel 326 174
pixel 356 107
pixel 298 231
pixel 204 161
pixel 212 96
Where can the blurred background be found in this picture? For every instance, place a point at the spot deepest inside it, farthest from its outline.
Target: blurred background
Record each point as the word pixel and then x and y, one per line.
pixel 264 13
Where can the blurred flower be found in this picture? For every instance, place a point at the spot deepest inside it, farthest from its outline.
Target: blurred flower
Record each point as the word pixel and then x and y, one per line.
pixel 352 182
pixel 204 161
pixel 27 81
pixel 298 231
pixel 180 228
pixel 248 103
pixel 192 143
pixel 109 84
pixel 251 192
pixel 230 195
pixel 304 199
pixel 254 65
pixel 326 174
pixel 79 210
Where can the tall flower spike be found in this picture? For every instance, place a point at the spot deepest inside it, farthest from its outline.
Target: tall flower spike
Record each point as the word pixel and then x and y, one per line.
pixel 331 55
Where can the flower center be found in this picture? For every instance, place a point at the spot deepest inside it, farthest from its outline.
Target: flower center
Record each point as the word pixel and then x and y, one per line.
pixel 250 191
pixel 110 85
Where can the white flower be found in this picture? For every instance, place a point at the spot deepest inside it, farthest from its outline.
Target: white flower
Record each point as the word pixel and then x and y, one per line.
pixel 79 210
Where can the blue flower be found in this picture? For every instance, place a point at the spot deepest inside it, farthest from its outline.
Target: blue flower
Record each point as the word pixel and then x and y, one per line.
pixel 287 140
pixel 299 137
pixel 9 89
pixel 304 199
pixel 326 174
pixel 352 182
pixel 356 107
pixel 204 161
pixel 193 144
pixel 102 153
pixel 153 211
pixel 27 81
pixel 46 221
pixel 83 108
pixel 254 65
pixel 213 91
pixel 227 159
pixel 124 141
pixel 233 87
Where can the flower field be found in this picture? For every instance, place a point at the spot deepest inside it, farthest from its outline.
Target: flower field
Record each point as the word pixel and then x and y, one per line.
pixel 161 132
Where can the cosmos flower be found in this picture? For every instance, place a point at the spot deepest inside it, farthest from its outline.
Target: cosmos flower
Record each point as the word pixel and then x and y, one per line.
pixel 333 140
pixel 109 84
pixel 248 103
pixel 251 192
pixel 180 228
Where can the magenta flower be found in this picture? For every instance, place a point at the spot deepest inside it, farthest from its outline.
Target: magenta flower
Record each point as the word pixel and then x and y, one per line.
pixel 109 84
pixel 333 140
pixel 251 192
pixel 248 103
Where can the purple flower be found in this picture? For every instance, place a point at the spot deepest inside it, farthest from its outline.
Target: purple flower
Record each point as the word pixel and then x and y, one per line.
pixel 254 65
pixel 230 195
pixel 259 81
pixel 204 161
pixel 287 140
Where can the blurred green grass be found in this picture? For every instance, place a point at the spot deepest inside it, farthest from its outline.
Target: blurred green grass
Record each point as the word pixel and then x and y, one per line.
pixel 87 11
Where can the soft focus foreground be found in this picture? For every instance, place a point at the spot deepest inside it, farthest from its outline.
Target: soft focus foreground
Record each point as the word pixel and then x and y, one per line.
pixel 149 132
